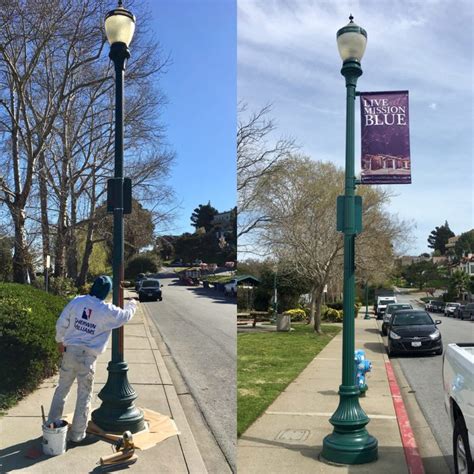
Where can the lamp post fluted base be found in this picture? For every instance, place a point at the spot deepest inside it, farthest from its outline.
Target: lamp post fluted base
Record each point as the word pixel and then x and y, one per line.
pixel 350 442
pixel 117 412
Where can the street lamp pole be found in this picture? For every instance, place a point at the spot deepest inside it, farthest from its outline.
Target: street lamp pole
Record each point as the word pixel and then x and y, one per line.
pixel 349 443
pixel 118 412
pixel 366 300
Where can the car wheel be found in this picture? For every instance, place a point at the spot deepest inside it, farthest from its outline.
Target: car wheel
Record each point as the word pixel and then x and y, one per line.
pixel 160 298
pixel 461 450
pixel 439 352
pixel 140 298
pixel 384 331
pixel 390 351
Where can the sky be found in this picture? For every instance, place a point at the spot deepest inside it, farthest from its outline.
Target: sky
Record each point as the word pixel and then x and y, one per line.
pixel 200 114
pixel 288 57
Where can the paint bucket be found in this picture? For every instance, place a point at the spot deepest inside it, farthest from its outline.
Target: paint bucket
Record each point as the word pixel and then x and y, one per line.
pixel 54 439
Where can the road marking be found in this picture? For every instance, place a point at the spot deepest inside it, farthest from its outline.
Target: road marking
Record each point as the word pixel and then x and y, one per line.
pixel 412 455
pixel 326 415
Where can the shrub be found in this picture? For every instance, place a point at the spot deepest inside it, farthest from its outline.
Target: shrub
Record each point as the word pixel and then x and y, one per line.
pixel 27 343
pixel 146 263
pixel 85 289
pixel 337 305
pixel 332 315
pixel 296 314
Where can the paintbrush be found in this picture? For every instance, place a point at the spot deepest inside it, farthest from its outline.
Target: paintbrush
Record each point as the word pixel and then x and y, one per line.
pixel 42 415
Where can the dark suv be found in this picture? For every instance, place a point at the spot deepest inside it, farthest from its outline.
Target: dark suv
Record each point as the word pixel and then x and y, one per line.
pixel 468 312
pixel 435 306
pixel 150 289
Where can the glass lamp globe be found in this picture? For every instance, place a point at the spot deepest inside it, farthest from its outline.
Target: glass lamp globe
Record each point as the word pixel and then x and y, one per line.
pixel 351 41
pixel 119 26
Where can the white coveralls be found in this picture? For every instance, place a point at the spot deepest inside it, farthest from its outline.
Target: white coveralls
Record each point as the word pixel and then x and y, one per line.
pixel 84 328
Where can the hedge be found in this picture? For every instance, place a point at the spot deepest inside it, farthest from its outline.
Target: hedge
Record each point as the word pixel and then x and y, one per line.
pixel 296 314
pixel 27 339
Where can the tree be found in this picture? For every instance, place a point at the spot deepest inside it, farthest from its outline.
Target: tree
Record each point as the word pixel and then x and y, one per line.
pixel 56 124
pixel 459 282
pixel 438 238
pixel 422 273
pixel 465 244
pixel 142 263
pixel 300 200
pixel 257 156
pixel 203 215
pixel 6 247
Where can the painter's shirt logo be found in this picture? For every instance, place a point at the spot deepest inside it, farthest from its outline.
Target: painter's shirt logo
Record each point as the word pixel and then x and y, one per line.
pixel 83 323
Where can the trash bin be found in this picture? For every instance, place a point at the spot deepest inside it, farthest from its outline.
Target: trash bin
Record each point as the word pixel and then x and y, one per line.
pixel 283 322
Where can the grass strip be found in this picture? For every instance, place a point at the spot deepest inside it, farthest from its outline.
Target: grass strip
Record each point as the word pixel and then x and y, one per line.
pixel 267 362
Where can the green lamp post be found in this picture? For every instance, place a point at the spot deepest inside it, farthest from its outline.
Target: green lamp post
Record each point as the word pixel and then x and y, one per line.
pixel 349 443
pixel 117 412
pixel 366 300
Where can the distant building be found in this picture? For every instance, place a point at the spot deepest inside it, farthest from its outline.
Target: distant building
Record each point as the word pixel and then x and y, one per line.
pixel 406 260
pixel 467 264
pixel 223 220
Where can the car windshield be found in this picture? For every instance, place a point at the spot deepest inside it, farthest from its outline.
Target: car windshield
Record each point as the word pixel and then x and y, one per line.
pixel 387 302
pixel 412 318
pixel 150 284
pixel 452 305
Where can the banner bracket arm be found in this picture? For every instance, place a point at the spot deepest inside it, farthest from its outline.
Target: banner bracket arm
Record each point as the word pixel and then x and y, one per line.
pixel 357 94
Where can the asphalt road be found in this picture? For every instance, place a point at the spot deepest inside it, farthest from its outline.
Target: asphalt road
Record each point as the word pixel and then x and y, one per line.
pixel 198 326
pixel 425 376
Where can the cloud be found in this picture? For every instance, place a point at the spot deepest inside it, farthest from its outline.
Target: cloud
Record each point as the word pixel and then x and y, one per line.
pixel 287 55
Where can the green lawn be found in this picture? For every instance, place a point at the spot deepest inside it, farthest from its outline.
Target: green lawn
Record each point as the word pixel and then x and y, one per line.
pixel 268 362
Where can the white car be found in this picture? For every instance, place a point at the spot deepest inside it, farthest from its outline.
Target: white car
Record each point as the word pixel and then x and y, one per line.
pixel 450 308
pixel 231 288
pixel 458 380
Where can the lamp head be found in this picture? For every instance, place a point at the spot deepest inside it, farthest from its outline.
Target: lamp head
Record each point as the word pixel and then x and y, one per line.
pixel 351 41
pixel 119 25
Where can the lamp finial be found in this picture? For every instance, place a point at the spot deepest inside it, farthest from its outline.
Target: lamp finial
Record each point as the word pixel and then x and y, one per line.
pixel 120 4
pixel 351 18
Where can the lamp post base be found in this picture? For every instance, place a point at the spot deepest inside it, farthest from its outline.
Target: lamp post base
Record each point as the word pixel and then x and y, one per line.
pixel 367 316
pixel 118 412
pixel 350 442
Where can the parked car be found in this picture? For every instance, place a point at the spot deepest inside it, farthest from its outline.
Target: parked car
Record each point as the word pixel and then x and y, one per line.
pixel 413 331
pixel 382 303
pixel 138 280
pixel 150 289
pixel 458 311
pixel 468 312
pixel 450 308
pixel 435 306
pixel 391 309
pixel 458 381
pixel 231 288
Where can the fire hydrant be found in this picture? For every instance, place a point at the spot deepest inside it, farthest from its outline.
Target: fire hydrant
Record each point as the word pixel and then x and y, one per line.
pixel 362 366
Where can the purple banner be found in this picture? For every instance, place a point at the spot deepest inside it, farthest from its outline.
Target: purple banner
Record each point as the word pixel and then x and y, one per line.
pixel 385 141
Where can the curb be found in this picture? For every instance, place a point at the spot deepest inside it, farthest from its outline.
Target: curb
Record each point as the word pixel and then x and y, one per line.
pixel 191 453
pixel 412 454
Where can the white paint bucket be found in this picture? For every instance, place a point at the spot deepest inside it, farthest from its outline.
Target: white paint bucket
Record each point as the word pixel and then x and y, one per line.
pixel 54 439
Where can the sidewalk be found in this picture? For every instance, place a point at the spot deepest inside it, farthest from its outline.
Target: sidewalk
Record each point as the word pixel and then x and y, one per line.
pixel 288 436
pixel 21 427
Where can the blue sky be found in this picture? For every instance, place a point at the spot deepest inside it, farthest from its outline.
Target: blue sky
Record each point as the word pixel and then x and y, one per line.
pixel 200 86
pixel 287 56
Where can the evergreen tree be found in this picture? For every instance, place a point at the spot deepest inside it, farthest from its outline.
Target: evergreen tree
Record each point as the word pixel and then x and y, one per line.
pixel 438 238
pixel 203 215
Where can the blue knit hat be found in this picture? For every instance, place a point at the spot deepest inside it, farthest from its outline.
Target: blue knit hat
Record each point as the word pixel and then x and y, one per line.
pixel 101 287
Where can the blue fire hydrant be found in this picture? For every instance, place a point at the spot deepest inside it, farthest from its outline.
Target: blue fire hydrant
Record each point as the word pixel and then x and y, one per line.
pixel 362 366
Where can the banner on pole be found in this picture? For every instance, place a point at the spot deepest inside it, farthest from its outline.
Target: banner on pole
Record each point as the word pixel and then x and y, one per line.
pixel 385 143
